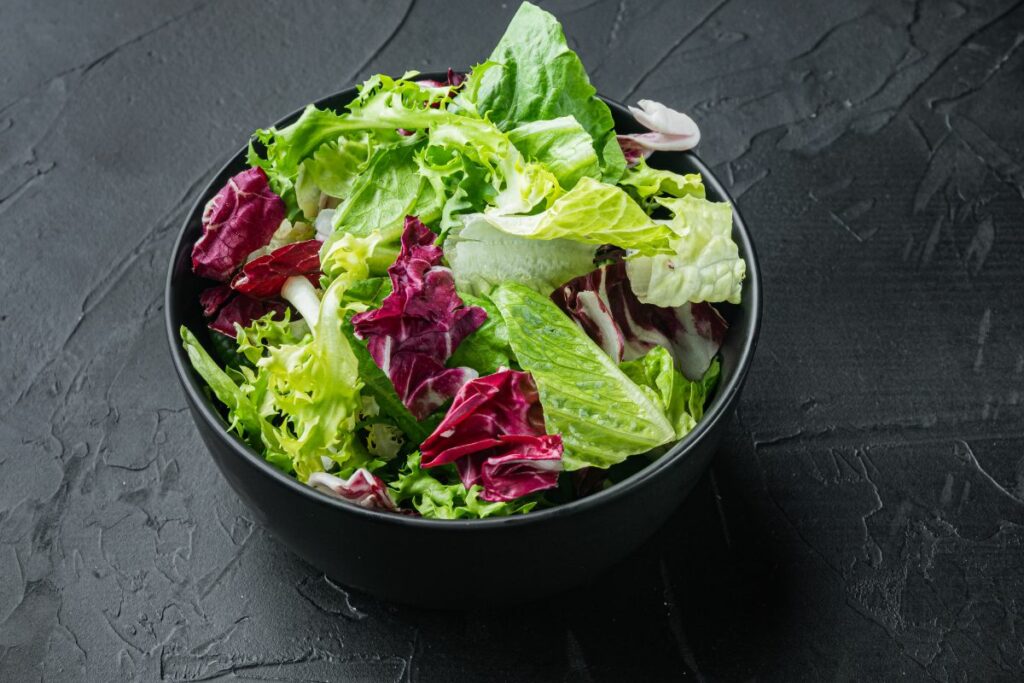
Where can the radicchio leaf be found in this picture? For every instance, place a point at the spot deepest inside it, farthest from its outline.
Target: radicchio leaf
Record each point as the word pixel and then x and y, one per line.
pixel 494 433
pixel 670 131
pixel 603 304
pixel 454 80
pixel 420 324
pixel 240 219
pixel 213 299
pixel 362 488
pixel 263 277
pixel 227 307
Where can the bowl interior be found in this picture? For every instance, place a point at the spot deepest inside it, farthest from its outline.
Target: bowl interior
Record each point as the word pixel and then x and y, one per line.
pixel 182 308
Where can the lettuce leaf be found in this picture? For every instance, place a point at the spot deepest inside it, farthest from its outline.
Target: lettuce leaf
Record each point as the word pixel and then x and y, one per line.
pixel 438 494
pixel 595 213
pixel 562 145
pixel 241 218
pixel 419 325
pixel 390 189
pixel 604 305
pixel 486 350
pixel 482 257
pixel 312 388
pixel 681 400
pixel 644 183
pixel 494 433
pixel 243 417
pixel 532 75
pixel 602 415
pixel 706 265
pixel 378 385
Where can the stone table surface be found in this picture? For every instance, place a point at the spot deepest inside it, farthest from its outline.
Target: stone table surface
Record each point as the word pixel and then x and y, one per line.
pixel 864 518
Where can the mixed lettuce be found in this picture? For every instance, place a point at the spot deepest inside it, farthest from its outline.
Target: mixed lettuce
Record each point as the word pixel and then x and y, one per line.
pixel 467 297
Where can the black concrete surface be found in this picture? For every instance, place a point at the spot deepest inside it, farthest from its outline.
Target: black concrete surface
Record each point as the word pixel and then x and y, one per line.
pixel 863 520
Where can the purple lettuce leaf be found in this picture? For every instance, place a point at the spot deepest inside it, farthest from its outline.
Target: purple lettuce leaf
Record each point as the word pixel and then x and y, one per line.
pixel 212 299
pixel 233 308
pixel 263 277
pixel 240 219
pixel 419 325
pixel 494 433
pixel 362 488
pixel 603 304
pixel 669 131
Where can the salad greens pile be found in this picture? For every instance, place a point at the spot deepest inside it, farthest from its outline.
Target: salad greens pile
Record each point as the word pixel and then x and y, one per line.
pixel 469 297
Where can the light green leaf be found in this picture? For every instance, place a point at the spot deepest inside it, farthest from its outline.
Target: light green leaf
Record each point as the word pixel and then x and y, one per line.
pixel 482 258
pixel 645 183
pixel 435 498
pixel 681 400
pixel 602 415
pixel 243 416
pixel 532 75
pixel 706 265
pixel 390 189
pixel 562 145
pixel 595 213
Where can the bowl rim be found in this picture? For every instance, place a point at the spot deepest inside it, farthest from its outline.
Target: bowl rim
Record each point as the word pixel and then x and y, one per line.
pixel 717 412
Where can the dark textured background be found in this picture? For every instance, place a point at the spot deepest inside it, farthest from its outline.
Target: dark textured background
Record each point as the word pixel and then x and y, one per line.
pixel 864 516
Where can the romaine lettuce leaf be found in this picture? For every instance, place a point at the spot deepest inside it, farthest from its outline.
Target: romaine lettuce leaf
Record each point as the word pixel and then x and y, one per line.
pixel 482 257
pixel 243 417
pixel 532 75
pixel 602 415
pixel 562 145
pixel 706 265
pixel 595 213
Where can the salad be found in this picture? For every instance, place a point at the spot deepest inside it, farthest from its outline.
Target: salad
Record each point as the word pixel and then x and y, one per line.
pixel 466 298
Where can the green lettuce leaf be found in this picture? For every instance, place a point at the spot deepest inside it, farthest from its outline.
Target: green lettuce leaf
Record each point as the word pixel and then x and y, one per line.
pixel 681 401
pixel 363 256
pixel 378 385
pixel 602 415
pixel 532 75
pixel 313 387
pixel 482 257
pixel 390 189
pixel 370 292
pixel 487 348
pixel 644 184
pixel 595 213
pixel 435 498
pixel 562 145
pixel 243 417
pixel 332 169
pixel 706 265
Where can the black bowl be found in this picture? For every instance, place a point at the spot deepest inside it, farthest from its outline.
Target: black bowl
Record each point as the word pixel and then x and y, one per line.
pixel 464 563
